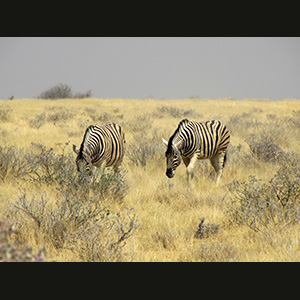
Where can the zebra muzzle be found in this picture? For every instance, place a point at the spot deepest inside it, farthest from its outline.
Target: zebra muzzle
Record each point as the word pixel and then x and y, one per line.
pixel 170 173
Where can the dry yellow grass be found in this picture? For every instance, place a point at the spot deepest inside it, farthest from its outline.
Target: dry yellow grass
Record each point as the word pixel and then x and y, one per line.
pixel 169 213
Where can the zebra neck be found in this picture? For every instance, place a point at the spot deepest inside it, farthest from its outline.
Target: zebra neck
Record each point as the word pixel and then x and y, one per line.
pixel 84 150
pixel 178 143
pixel 93 150
pixel 86 146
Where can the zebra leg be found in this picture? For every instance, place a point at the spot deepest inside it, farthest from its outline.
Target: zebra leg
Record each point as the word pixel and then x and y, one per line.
pixel 190 163
pixel 218 163
pixel 186 162
pixel 116 167
pixel 101 168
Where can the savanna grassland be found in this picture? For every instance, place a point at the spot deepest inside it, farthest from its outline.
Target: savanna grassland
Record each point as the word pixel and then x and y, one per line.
pixel 46 213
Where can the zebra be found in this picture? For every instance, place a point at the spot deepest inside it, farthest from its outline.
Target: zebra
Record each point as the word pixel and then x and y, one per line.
pixel 197 140
pixel 102 146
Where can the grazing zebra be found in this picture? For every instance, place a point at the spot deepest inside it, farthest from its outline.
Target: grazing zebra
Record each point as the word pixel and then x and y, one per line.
pixel 194 140
pixel 102 145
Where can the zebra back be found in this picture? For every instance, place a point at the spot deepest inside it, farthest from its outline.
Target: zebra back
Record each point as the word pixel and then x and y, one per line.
pixel 206 138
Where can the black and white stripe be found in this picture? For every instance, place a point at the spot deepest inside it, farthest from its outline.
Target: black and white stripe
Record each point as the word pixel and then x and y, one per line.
pixel 102 145
pixel 194 140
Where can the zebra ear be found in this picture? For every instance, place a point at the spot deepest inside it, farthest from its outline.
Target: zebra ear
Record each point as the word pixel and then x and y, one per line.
pixel 165 142
pixel 75 149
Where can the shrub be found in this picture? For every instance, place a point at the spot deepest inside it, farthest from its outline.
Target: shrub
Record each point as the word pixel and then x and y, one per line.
pixel 270 205
pixel 5 114
pixel 14 162
pixel 104 117
pixel 37 163
pixel 63 91
pixel 59 91
pixel 140 125
pixel 79 216
pixel 237 154
pixel 141 153
pixel 106 183
pixel 80 95
pixel 239 124
pixel 53 219
pixel 38 121
pixel 205 230
pixel 103 241
pixel 175 112
pixel 7 158
pixel 264 149
pixel 42 165
pixel 145 150
pixel 79 221
pixel 46 164
pixel 11 251
pixel 217 251
pixel 62 115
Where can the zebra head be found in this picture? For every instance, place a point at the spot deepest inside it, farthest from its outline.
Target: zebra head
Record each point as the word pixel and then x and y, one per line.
pixel 83 162
pixel 173 158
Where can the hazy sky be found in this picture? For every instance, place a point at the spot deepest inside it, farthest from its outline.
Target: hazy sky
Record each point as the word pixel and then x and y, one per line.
pixel 162 68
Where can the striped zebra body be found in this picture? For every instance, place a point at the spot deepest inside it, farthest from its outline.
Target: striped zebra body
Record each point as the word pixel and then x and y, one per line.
pixel 195 140
pixel 102 145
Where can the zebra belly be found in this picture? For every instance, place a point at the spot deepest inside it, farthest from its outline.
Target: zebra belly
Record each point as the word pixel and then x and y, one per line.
pixel 107 159
pixel 202 156
pixel 199 154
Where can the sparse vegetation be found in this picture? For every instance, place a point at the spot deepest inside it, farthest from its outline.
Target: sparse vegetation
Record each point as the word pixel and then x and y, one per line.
pixel 10 250
pixel 48 214
pixel 144 151
pixel 80 220
pixel 274 204
pixel 5 114
pixel 63 91
pixel 205 230
pixel 264 149
pixel 163 111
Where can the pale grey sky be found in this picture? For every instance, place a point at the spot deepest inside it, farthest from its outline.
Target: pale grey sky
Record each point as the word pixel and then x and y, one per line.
pixel 160 67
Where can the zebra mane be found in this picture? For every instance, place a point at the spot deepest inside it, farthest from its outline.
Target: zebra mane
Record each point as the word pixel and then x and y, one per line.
pixel 180 125
pixel 85 138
